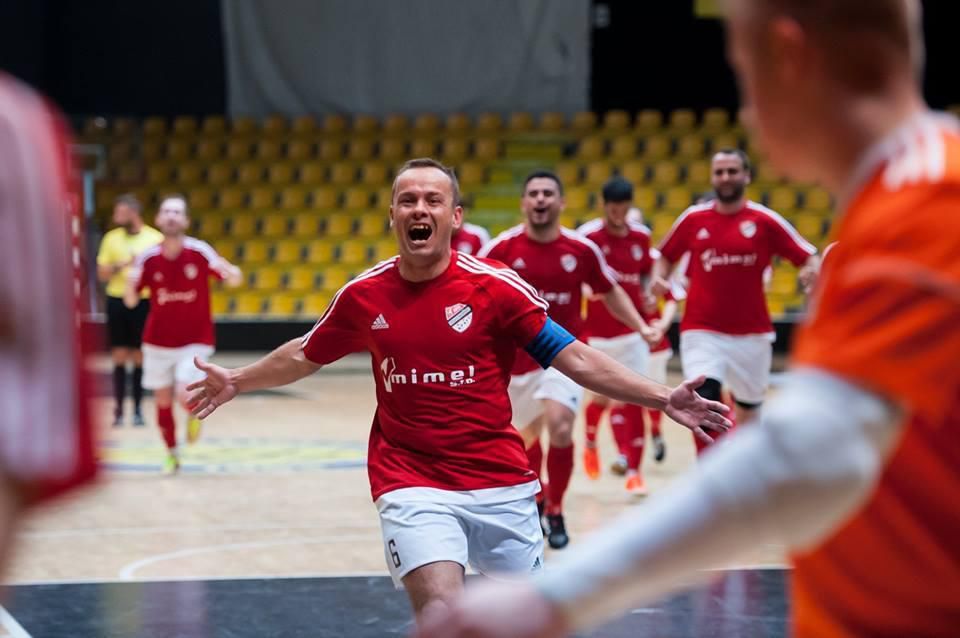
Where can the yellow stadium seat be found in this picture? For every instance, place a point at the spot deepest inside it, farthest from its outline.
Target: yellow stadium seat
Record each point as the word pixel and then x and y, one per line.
pixel 219 303
pixel 282 305
pixel 383 197
pixel 300 151
pixel 255 251
pixel 261 198
pixel 152 150
pixel 677 198
pixel 268 150
pixel 716 120
pixel 288 251
pixel 274 225
pixel 313 173
pixel 208 150
pixel 583 122
pixel 95 129
pixel 623 148
pixel 266 278
pixel 159 173
pixel 665 173
pixel 249 304
pixel 454 151
pixel 330 150
pixel 314 305
pixel 656 147
pixel 238 150
pixel 123 127
pixel 395 125
pixel 211 226
pixel 219 174
pixel 130 172
pixel 365 125
pixel 662 223
pixel 457 124
pixel 520 122
pixel 682 120
pixel 577 199
pixel 293 198
pixel 280 173
pixel 213 126
pixel 645 199
pixel 486 149
pixel 470 173
pixel 634 172
pixel 334 125
pixel 597 173
pixel 552 122
pixel 698 173
pixel 105 196
pixel 200 198
pixel 372 225
pixel 274 126
pixel 591 148
pixel 489 123
pixel 616 121
pixel 249 173
pixel 189 174
pixel 811 226
pixel 373 173
pixel 334 278
pixel 243 126
pixel 352 252
pixel 691 146
pixel 342 173
pixel 120 152
pixel 302 279
pixel 243 225
pixel 356 198
pixel 817 200
pixel 723 141
pixel 230 197
pixel 423 147
pixel 184 126
pixel 178 150
pixel 783 283
pixel 648 121
pixel 568 172
pixel 782 199
pixel 337 225
pixel 392 150
pixel 320 251
pixel 306 224
pixel 360 150
pixel 426 124
pixel 154 127
pixel 384 249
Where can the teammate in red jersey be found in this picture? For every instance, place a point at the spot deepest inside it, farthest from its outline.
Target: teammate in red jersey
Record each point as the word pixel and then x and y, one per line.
pixel 660 319
pixel 469 238
pixel 179 325
pixel 726 333
pixel 447 469
pixel 46 438
pixel 626 247
pixel 557 262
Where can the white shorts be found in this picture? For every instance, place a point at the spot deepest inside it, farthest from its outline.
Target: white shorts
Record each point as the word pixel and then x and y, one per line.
pixel 527 392
pixel 657 365
pixel 629 350
pixel 166 367
pixel 740 362
pixel 496 539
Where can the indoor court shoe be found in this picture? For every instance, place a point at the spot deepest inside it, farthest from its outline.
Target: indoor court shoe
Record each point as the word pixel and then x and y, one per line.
pixel 619 467
pixel 557 538
pixel 659 449
pixel 117 419
pixel 591 462
pixel 194 425
pixel 138 419
pixel 636 486
pixel 171 465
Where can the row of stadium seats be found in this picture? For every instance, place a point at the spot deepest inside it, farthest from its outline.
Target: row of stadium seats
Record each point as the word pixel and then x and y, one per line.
pixel 276 126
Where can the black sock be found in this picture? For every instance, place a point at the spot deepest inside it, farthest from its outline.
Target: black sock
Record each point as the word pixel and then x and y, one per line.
pixel 119 387
pixel 137 388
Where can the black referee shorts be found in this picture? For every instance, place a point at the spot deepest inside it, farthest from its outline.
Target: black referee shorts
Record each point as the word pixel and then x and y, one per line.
pixel 125 325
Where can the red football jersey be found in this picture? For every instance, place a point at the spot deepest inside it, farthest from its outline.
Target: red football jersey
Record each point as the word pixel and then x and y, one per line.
pixel 629 258
pixel 441 355
pixel 180 304
pixel 46 435
pixel 469 239
pixel 728 254
pixel 558 270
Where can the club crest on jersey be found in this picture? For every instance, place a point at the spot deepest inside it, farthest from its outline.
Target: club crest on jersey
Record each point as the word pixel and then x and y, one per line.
pixel 191 271
pixel 606 249
pixel 158 276
pixel 569 263
pixel 748 228
pixel 459 316
pixel 636 252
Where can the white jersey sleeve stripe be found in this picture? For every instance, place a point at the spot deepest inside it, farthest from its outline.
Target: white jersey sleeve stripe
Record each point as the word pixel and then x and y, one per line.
pixel 505 235
pixel 591 226
pixel 379 269
pixel 479 231
pixel 505 271
pixel 203 248
pixel 682 218
pixel 499 274
pixel 787 226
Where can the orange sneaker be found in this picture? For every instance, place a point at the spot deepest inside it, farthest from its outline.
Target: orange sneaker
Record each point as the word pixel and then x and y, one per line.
pixel 636 485
pixel 591 462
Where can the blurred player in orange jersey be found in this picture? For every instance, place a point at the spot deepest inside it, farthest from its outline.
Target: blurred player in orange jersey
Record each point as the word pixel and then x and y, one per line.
pixel 857 465
pixel 46 443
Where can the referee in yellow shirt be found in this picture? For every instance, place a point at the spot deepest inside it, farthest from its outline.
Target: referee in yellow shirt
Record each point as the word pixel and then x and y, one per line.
pixel 118 249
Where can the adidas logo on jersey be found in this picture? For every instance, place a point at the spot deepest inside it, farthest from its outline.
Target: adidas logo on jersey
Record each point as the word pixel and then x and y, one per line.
pixel 379 323
pixel 518 263
pixel 703 234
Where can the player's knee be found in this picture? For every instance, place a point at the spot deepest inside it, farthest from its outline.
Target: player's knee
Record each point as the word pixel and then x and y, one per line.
pixel 561 430
pixel 710 390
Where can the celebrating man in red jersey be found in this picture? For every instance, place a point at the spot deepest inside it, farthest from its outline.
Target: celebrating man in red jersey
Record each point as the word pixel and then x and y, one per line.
pixel 46 437
pixel 626 247
pixel 557 262
pixel 447 469
pixel 179 326
pixel 725 333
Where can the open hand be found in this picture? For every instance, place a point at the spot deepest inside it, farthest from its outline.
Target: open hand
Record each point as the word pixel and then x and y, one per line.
pixel 212 392
pixel 692 411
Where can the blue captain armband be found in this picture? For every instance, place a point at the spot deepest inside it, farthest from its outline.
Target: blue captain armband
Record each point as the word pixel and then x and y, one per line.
pixel 549 342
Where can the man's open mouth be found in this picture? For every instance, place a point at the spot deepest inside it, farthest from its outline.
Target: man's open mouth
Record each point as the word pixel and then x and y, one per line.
pixel 419 232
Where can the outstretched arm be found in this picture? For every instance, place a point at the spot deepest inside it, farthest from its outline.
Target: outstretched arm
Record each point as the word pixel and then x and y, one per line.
pixel 284 365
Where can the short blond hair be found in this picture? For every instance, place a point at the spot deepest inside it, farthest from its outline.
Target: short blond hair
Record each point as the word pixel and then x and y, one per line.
pixel 429 162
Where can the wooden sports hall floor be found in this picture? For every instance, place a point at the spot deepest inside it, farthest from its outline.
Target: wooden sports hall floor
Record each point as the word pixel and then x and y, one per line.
pixel 269 531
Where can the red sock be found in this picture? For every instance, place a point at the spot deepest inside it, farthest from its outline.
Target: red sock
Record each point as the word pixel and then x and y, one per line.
pixel 560 469
pixel 592 414
pixel 620 434
pixel 167 426
pixel 654 421
pixel 636 433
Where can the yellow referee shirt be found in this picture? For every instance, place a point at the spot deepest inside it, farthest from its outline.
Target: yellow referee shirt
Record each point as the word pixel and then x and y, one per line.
pixel 119 247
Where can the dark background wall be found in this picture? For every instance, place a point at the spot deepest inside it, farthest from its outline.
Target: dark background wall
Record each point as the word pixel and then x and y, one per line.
pixel 116 57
